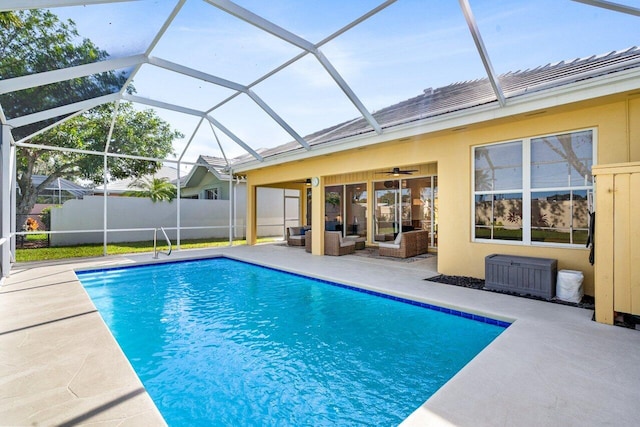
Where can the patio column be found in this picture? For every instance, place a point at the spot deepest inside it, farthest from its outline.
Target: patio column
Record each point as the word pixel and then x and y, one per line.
pixel 8 182
pixel 13 202
pixel 105 224
pixel 178 207
pixel 231 201
pixel 317 216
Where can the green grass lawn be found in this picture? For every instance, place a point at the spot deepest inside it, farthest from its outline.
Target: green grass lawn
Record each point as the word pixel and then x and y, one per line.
pixel 35 237
pixel 93 250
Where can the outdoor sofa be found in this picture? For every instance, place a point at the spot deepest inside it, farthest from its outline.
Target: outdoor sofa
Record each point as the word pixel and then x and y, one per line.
pixel 406 244
pixel 334 244
pixel 296 235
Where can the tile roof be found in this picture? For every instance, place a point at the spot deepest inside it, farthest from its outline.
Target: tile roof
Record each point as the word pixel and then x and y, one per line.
pixel 468 94
pixel 216 162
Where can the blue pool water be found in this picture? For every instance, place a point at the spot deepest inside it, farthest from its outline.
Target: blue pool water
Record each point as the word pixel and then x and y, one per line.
pixel 223 342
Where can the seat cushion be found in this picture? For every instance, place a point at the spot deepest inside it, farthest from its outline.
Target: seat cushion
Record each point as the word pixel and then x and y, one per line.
pixel 388 245
pixel 398 239
pixel 347 243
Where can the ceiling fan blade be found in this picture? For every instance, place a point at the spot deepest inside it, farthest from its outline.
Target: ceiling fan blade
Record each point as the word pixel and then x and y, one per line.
pixel 398 171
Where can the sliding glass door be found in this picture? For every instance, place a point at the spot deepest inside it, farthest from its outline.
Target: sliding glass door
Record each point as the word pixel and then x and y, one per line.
pixel 345 209
pixel 406 204
pixel 333 208
pixel 392 209
pixel 398 204
pixel 424 206
pixel 356 210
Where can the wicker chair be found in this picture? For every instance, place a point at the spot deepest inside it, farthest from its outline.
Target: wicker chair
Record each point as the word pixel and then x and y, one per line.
pixel 335 245
pixel 422 242
pixel 405 245
pixel 295 236
pixel 307 242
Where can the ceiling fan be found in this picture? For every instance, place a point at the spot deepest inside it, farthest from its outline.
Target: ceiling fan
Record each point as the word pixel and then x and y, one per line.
pixel 308 182
pixel 398 172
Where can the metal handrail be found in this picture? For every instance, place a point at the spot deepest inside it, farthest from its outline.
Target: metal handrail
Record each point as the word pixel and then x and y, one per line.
pixel 155 245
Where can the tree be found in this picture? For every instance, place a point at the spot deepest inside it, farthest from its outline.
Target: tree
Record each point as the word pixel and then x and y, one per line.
pixel 138 133
pixel 36 41
pixel 9 19
pixel 157 189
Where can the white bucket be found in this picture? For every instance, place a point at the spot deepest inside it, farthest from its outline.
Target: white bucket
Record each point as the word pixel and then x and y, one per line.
pixel 569 285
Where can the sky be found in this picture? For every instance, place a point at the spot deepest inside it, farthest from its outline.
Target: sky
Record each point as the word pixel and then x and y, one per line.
pixel 409 46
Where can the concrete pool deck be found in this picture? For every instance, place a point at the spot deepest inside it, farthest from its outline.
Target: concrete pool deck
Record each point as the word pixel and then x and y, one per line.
pixel 553 366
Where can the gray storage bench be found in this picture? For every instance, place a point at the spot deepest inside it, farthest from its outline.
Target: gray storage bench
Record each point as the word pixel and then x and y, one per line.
pixel 522 275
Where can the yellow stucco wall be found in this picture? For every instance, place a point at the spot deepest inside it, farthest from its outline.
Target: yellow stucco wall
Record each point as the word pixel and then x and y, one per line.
pixel 617 124
pixel 634 129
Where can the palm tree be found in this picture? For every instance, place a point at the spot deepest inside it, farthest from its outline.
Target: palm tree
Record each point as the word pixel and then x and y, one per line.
pixel 9 19
pixel 157 189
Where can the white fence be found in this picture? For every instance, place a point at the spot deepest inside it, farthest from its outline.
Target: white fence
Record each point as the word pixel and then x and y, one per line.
pixel 82 221
pixel 141 213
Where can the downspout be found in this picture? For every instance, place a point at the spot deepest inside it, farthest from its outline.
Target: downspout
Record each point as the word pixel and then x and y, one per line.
pixel 627 120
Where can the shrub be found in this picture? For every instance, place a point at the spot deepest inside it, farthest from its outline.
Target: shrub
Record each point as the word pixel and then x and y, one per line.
pixel 45 217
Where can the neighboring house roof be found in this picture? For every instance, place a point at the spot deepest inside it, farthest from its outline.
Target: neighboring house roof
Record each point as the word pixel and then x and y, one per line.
pixel 216 165
pixel 61 184
pixel 215 162
pixel 124 185
pixel 464 95
pixel 222 166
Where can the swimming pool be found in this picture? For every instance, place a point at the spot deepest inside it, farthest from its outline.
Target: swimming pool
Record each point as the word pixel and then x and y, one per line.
pixel 224 342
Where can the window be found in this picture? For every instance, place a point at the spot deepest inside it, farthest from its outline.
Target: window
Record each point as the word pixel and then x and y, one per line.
pixel 498 191
pixel 536 190
pixel 211 194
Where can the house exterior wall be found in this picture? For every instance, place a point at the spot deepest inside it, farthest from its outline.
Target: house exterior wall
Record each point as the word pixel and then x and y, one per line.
pixel 208 181
pixel 615 119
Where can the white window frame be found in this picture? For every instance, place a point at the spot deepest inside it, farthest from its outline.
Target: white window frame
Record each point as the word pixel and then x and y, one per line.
pixel 526 190
pixel 216 190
